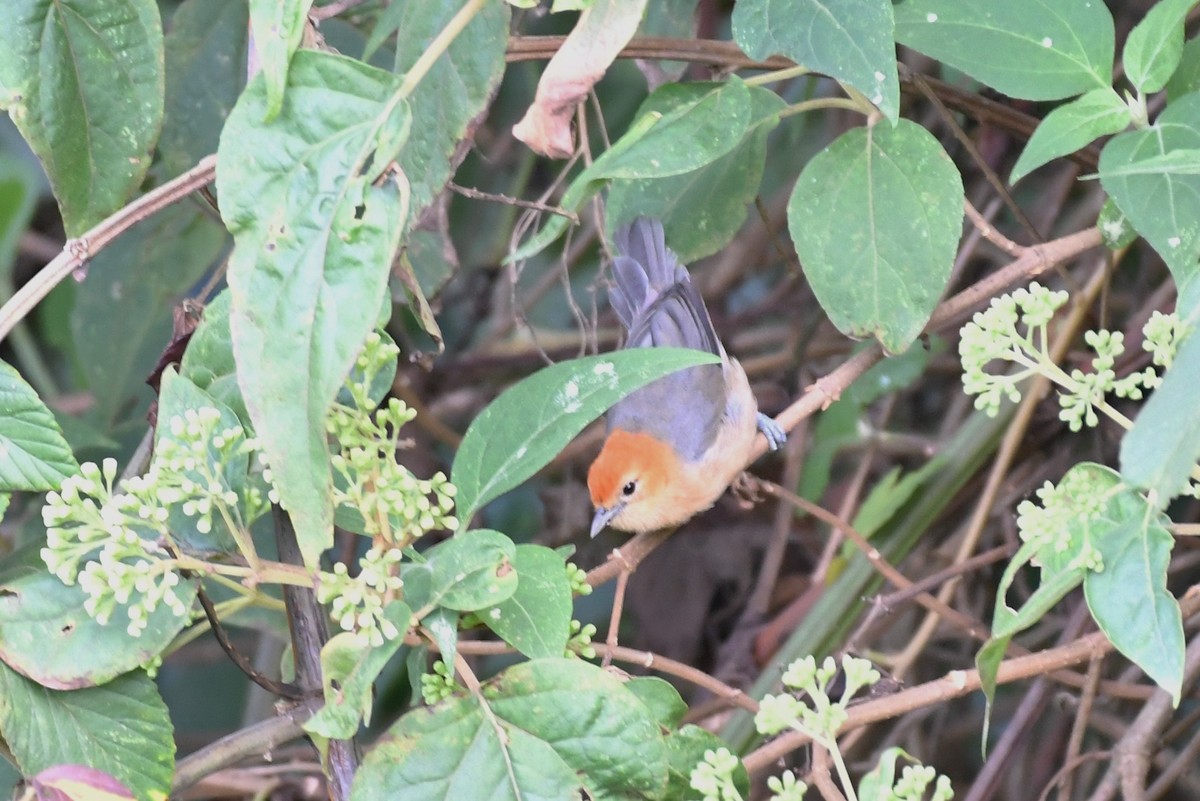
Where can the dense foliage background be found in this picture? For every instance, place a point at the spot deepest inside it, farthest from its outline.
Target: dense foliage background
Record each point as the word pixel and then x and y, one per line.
pixel 450 174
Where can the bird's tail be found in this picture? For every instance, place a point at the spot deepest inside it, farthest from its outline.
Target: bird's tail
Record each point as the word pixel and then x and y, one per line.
pixel 653 294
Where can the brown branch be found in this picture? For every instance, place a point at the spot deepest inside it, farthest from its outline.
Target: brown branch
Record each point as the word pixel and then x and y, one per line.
pixel 77 252
pixel 954 684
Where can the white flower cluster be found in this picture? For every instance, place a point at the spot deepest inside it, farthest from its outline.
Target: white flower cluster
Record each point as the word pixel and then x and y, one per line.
pixel 357 602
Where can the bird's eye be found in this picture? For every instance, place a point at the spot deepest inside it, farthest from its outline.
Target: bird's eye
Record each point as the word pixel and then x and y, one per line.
pixel 629 488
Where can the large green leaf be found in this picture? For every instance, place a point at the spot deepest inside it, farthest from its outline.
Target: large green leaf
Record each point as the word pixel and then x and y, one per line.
pixel 876 218
pixel 121 728
pixel 35 455
pixel 123 309
pixel 529 423
pixel 701 210
pixel 470 571
pixel 849 40
pixel 553 727
pixel 1031 49
pixel 83 80
pixel 45 633
pixel 1155 44
pixel 316 224
pixel 206 70
pixel 694 133
pixel 1159 453
pixel 1163 202
pixel 1070 127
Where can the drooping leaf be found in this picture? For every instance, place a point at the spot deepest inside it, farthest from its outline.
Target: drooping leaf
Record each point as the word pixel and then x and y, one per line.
pixel 529 423
pixel 1129 597
pixel 600 737
pixel 349 668
pixel 536 618
pixel 876 218
pixel 1031 49
pixel 278 27
pixel 851 41
pixel 78 783
pixel 693 134
pixel 701 210
pixel 121 728
pixel 46 635
pixel 1070 127
pixel 83 81
pixel 315 234
pixel 1155 44
pixel 34 454
pixel 1162 203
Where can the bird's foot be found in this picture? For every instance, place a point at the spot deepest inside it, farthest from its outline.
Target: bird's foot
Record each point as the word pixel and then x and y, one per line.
pixel 774 432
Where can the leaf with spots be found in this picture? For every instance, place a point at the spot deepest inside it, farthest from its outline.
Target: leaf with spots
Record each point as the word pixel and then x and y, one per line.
pixel 1153 175
pixel 536 619
pixel 532 421
pixel 471 570
pixel 1031 49
pixel 316 220
pixel 543 730
pixel 876 218
pixel 83 81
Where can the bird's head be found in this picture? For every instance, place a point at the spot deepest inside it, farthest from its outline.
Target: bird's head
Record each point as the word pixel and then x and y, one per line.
pixel 631 483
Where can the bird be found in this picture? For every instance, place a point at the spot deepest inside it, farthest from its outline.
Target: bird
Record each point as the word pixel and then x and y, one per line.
pixel 673 446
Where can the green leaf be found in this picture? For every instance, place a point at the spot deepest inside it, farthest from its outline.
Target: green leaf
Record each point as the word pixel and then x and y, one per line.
pixel 661 698
pixel 1164 206
pixel 1030 49
pixel 692 135
pixel 455 91
pixel 1070 127
pixel 122 317
pixel 278 27
pixel 121 728
pixel 1160 451
pixel 208 361
pixel 556 727
pixel 987 662
pixel 685 750
pixel 529 423
pixel 1155 45
pixel 472 570
pixel 178 396
pixel 536 618
pixel 349 668
pixel 849 40
pixel 46 635
pixel 315 234
pixel 1129 597
pixel 206 71
pixel 83 81
pixel 701 210
pixel 35 455
pixel 876 218
pixel 1186 78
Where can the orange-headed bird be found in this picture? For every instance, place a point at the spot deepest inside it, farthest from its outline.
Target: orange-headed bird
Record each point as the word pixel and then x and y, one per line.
pixel 674 445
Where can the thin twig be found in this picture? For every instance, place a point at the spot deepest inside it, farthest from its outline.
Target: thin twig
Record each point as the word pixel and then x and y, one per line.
pixel 478 194
pixel 76 252
pixel 989 232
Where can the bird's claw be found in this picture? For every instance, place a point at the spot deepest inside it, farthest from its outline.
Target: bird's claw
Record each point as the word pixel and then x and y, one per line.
pixel 774 432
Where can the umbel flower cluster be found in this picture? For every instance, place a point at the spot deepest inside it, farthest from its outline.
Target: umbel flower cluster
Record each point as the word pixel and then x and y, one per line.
pixel 126 543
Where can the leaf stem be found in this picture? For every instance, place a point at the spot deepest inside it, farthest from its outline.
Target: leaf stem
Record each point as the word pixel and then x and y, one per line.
pixel 777 75
pixel 439 45
pixel 820 103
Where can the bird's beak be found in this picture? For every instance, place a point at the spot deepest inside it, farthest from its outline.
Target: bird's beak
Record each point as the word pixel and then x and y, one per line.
pixel 604 516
